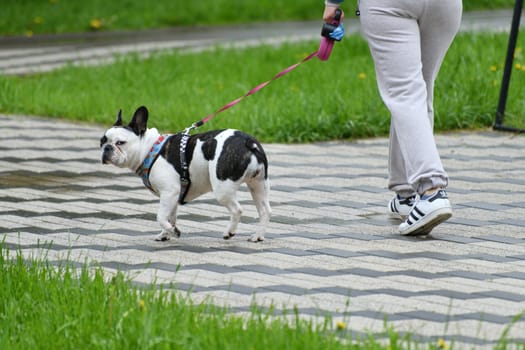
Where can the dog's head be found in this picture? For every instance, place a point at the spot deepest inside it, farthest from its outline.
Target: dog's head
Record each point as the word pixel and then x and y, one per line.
pixel 122 145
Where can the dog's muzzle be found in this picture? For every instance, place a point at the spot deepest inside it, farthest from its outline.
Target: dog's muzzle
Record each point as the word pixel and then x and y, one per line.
pixel 107 154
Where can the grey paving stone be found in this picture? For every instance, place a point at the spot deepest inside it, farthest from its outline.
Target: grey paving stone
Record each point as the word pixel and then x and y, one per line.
pixel 504 296
pixel 484 317
pixel 330 249
pixel 212 267
pixel 358 236
pixel 459 239
pixel 425 315
pixel 314 271
pixel 503 239
pixel 486 206
pixel 470 274
pixel 285 289
pixel 263 269
pixel 293 252
pixel 336 252
pixel 365 272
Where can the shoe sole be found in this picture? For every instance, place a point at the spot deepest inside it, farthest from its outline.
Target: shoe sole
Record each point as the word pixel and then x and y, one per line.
pixel 426 225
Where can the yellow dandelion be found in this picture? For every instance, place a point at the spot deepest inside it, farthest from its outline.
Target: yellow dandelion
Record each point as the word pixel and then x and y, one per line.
pixel 518 66
pixel 142 305
pixel 28 33
pixel 361 76
pixel 38 20
pixel 95 23
pixel 493 68
pixel 523 68
pixel 340 325
pixel 442 344
pixel 517 52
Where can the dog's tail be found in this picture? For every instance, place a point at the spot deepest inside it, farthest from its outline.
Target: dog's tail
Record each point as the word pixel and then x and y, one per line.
pixel 256 148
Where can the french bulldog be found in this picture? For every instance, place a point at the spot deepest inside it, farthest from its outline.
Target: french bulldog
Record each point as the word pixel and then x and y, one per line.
pixel 181 167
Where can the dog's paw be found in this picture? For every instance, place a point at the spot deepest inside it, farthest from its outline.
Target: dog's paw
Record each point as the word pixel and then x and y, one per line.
pixel 256 238
pixel 228 235
pixel 163 236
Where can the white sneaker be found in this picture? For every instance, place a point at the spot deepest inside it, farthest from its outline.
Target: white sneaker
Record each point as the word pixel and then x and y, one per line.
pixel 427 214
pixel 399 207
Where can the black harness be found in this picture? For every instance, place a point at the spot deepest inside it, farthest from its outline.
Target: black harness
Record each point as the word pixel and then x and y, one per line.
pixel 185 181
pixel 144 170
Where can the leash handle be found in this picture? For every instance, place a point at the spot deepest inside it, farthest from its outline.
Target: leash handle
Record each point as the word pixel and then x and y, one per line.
pixel 327 43
pixel 251 92
pixel 328 28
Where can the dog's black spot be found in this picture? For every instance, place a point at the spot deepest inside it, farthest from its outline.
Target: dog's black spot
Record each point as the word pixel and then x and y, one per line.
pixel 209 146
pixel 235 156
pixel 103 140
pixel 233 160
pixel 258 151
pixel 171 149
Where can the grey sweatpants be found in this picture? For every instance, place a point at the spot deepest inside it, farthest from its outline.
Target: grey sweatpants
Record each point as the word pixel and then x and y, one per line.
pixel 408 40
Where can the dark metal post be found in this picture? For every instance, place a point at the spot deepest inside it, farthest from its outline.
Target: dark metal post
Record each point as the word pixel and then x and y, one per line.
pixel 513 37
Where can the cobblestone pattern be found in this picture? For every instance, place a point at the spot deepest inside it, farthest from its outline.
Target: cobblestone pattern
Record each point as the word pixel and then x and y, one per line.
pixel 330 249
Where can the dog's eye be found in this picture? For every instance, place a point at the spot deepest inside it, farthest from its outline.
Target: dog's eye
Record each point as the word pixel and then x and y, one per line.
pixel 120 143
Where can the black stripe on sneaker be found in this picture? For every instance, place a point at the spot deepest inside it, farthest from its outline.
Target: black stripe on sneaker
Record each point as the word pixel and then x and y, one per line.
pixel 419 212
pixel 393 207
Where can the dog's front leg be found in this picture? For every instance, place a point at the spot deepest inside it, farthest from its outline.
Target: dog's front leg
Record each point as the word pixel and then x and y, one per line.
pixel 167 207
pixel 173 220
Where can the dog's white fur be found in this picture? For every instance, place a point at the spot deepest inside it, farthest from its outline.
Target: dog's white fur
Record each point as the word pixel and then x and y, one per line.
pixel 127 147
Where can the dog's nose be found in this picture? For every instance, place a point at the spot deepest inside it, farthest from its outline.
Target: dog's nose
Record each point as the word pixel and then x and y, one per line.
pixel 107 152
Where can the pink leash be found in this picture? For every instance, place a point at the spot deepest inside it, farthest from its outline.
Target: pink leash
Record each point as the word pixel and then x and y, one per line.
pixel 325 48
pixel 251 92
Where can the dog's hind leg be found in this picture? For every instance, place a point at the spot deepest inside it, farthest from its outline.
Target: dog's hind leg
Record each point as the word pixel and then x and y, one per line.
pixel 260 190
pixel 226 195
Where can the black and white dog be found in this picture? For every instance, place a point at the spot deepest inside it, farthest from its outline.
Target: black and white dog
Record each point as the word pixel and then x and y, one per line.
pixel 182 167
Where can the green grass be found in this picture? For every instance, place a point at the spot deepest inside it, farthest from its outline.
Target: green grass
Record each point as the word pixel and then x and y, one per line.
pixel 318 101
pixel 68 305
pixel 28 17
pixel 46 305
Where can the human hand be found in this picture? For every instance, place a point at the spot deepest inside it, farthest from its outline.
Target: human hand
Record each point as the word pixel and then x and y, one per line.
pixel 329 13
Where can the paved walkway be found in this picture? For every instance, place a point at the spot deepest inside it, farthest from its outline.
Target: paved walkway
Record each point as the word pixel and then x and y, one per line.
pixel 330 248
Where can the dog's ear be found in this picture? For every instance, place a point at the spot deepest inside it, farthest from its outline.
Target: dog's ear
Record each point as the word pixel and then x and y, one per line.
pixel 118 122
pixel 139 123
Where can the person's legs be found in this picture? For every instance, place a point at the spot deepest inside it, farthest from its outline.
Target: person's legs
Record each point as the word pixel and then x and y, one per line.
pixel 392 30
pixel 438 24
pixel 408 40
